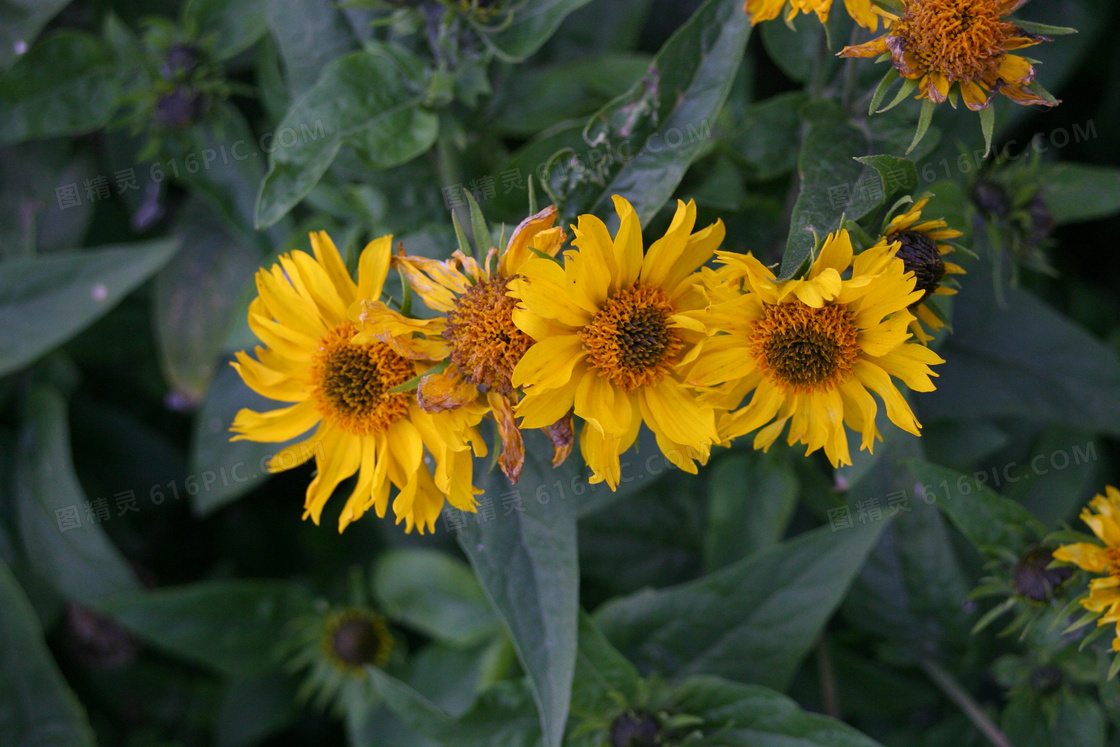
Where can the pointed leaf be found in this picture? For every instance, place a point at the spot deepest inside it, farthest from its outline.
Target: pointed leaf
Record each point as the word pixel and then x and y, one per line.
pixel 48 299
pixel 36 705
pixel 752 621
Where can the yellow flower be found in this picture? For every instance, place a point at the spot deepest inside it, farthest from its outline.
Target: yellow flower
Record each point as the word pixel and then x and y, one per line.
pixel 607 340
pixel 477 336
pixel 920 252
pixel 861 11
pixel 343 389
pixel 965 43
pixel 813 349
pixel 1104 593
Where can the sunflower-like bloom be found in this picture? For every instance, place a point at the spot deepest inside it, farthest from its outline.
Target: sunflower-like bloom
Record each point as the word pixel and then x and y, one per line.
pixel 344 389
pixel 920 252
pixel 813 349
pixel 965 43
pixel 1103 517
pixel 476 337
pixel 861 11
pixel 608 343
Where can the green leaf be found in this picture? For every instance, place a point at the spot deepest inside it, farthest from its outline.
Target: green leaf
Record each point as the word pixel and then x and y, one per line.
pixel 235 26
pixel 416 711
pixel 646 139
pixel 64 546
pixel 1044 29
pixel 751 499
pixel 310 35
pixel 196 294
pixel 1076 192
pixel 46 300
pixel 526 562
pixel 768 136
pixel 36 706
pixel 215 624
pixel 435 594
pixel 924 119
pixel 1063 471
pixel 752 621
pixel 225 470
pixel 987 126
pixel 1023 360
pixel 66 85
pixel 793 50
pixel 990 521
pixel 831 180
pixel 370 100
pixel 737 715
pixel 602 674
pixel 533 22
pixel 899 175
pixel 20 22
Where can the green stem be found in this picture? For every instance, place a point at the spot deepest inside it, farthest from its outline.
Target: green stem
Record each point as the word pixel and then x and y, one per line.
pixel 826 670
pixel 820 61
pixel 963 700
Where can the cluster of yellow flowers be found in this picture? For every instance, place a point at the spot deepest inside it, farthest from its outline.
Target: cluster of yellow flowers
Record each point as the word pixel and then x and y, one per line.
pixel 613 333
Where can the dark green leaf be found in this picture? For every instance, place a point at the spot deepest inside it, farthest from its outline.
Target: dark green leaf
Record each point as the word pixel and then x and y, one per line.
pixel 435 594
pixel 645 139
pixel 310 34
pixel 898 175
pixel 750 716
pixel 195 297
pixel 751 499
pixel 36 706
pixel 833 182
pixel 370 100
pixel 1076 192
pixel 600 672
pixel 225 470
pixel 20 22
pixel 768 135
pixel 752 621
pixel 534 21
pixel 216 624
pixel 990 521
pixel 66 85
pixel 68 549
pixel 526 562
pixel 1023 360
pixel 46 300
pixel 235 26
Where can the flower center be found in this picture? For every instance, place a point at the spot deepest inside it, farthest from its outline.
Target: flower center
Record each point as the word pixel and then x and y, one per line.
pixel 919 254
pixel 805 348
pixel 352 382
pixel 357 638
pixel 1113 561
pixel 964 39
pixel 486 345
pixel 629 341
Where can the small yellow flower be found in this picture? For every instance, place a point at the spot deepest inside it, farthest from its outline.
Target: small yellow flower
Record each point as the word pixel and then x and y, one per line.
pixel 1103 517
pixel 965 43
pixel 861 11
pixel 608 342
pixel 920 252
pixel 812 349
pixel 343 389
pixel 476 335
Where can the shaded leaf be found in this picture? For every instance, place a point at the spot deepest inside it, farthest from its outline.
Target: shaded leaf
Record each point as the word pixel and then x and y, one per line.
pixel 526 563
pixel 435 594
pixel 989 520
pixel 235 26
pixel 46 300
pixel 646 139
pixel 67 549
pixel 752 621
pixel 216 624
pixel 533 22
pixel 1077 192
pixel 66 85
pixel 36 706
pixel 370 100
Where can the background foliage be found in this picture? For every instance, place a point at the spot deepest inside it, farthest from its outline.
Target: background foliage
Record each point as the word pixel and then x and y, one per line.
pixel 154 583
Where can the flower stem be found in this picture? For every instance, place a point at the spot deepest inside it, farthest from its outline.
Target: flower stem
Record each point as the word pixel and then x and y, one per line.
pixel 963 700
